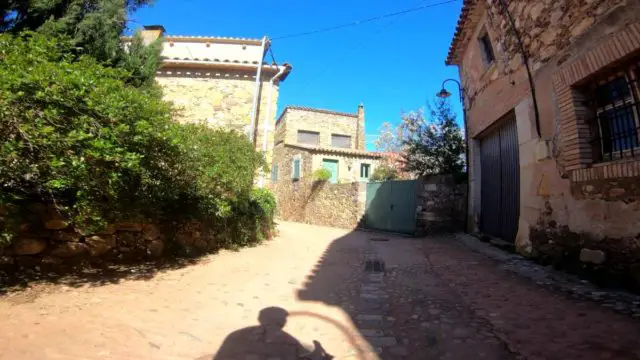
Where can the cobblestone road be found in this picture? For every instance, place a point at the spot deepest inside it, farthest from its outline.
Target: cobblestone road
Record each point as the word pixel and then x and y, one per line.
pixel 436 300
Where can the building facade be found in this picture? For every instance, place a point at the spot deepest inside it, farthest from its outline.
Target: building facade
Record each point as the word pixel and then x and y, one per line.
pixel 309 139
pixel 558 173
pixel 213 80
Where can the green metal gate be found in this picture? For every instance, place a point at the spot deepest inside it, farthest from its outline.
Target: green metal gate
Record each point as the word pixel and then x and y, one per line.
pixel 391 206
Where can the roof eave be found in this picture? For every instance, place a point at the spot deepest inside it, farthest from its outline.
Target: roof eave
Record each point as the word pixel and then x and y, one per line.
pixel 453 57
pixel 213 64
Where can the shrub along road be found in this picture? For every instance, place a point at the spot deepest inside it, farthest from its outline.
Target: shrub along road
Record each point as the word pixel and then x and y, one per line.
pixel 436 300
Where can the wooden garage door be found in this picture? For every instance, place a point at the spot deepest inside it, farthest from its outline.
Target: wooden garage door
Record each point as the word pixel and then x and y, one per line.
pixel 500 181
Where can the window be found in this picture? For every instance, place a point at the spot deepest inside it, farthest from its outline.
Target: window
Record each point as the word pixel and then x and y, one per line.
pixel 486 49
pixel 295 169
pixel 617 115
pixel 308 137
pixel 274 173
pixel 341 141
pixel 364 171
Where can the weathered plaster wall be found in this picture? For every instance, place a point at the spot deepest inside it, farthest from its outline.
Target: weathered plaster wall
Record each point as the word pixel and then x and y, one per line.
pixel 564 211
pixel 324 123
pixel 220 99
pixel 348 166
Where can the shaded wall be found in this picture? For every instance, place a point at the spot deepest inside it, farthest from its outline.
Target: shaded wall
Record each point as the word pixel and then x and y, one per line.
pixel 441 205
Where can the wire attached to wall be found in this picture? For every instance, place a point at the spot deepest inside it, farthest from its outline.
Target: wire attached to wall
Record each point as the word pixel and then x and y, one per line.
pixel 525 59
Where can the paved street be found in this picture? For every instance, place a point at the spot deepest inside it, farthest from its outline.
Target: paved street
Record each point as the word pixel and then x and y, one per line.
pixel 435 300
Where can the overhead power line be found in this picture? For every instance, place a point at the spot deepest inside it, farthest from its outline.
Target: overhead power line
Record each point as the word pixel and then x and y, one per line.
pixel 364 21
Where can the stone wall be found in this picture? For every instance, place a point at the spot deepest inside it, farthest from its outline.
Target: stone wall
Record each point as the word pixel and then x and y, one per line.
pixel 441 205
pixel 321 203
pixel 221 99
pixel 322 121
pixel 311 202
pixel 46 240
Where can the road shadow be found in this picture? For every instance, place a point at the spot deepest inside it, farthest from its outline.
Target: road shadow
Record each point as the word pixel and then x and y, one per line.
pixel 91 274
pixel 267 340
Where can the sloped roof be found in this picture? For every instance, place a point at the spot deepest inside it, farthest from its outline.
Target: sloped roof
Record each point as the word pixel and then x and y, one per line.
pixel 338 151
pixel 464 21
pixel 218 39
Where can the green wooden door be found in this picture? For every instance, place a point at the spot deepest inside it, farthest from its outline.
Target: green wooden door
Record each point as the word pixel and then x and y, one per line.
pixel 331 165
pixel 391 206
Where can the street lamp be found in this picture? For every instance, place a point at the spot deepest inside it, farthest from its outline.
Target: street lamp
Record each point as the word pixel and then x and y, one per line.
pixel 443 94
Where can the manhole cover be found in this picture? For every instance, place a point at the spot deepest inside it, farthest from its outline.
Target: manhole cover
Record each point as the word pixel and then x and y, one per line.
pixel 379 239
pixel 374 266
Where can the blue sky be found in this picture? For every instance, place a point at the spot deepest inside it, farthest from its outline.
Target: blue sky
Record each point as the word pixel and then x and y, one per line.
pixel 392 65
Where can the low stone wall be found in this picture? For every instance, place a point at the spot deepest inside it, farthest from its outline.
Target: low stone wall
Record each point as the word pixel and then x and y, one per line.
pixel 321 203
pixel 441 205
pixel 46 240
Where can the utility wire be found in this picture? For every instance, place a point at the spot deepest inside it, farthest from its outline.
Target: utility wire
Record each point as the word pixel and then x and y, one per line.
pixel 360 22
pixel 347 55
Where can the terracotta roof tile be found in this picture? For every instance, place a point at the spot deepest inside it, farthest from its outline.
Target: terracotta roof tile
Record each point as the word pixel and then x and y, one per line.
pixel 467 7
pixel 328 150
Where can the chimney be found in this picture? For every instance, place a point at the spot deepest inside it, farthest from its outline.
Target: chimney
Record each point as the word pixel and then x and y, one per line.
pixel 151 33
pixel 360 128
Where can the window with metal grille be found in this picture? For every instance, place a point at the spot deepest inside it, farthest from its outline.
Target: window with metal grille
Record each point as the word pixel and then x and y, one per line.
pixel 308 137
pixel 341 141
pixel 274 173
pixel 486 49
pixel 615 100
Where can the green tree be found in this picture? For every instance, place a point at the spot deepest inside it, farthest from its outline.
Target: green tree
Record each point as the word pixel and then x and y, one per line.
pixel 94 27
pixel 384 172
pixel 436 146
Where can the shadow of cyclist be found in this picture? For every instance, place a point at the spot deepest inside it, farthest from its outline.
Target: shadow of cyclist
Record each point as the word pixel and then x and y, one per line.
pixel 266 341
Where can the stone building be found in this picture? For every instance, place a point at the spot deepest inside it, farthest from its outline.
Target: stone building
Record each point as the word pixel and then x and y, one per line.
pixel 560 179
pixel 213 80
pixel 308 139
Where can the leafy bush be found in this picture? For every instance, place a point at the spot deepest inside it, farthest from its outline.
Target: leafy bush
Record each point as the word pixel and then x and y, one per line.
pixel 76 135
pixel 264 205
pixel 321 174
pixel 384 172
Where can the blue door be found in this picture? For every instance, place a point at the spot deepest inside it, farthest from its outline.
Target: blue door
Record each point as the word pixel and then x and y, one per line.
pixel 391 206
pixel 331 165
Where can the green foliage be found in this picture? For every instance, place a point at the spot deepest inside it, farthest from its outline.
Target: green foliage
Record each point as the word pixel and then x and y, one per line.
pixel 436 146
pixel 384 172
pixel 220 166
pixel 321 174
pixel 93 28
pixel 74 133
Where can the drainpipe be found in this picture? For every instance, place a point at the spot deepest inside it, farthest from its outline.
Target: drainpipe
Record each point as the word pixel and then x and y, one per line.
pixel 256 93
pixel 284 69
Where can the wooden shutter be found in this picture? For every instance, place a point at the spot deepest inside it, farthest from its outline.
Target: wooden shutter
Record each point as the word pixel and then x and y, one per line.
pixel 295 173
pixel 308 137
pixel 341 141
